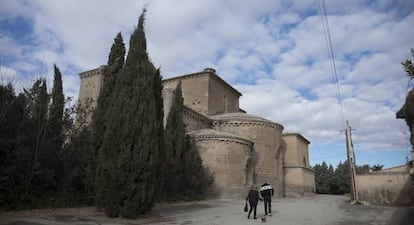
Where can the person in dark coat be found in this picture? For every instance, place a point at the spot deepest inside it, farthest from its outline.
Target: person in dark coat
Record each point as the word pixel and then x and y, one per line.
pixel 253 197
pixel 266 190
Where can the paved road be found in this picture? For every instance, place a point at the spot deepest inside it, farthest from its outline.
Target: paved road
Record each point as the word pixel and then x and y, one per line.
pixel 312 210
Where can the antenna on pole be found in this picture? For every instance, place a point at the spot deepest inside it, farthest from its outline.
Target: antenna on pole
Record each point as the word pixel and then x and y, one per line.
pixel 351 163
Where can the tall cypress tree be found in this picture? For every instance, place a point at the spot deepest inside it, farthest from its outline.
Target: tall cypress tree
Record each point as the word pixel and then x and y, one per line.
pixel 160 160
pixel 56 109
pixel 50 157
pixel 133 140
pixel 175 128
pixel 115 62
pixel 186 177
pixel 175 144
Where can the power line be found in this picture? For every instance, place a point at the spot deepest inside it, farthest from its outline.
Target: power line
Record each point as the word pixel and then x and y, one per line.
pixel 327 35
pixel 349 144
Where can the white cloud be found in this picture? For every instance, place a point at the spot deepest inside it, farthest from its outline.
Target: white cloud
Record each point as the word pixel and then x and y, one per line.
pixel 274 52
pixel 8 75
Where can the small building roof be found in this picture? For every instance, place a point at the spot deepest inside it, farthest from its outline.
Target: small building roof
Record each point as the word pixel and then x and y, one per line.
pixel 299 136
pixel 209 72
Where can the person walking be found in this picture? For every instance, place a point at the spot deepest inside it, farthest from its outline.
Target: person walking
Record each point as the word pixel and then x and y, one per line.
pixel 253 198
pixel 266 190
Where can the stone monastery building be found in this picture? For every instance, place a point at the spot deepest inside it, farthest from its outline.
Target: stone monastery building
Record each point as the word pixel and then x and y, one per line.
pixel 239 148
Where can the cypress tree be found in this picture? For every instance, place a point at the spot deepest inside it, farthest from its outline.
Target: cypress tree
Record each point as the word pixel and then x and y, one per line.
pixel 54 128
pixel 175 128
pixel 133 141
pixel 198 179
pixel 175 146
pixel 185 177
pixel 115 63
pixel 56 109
pixel 160 160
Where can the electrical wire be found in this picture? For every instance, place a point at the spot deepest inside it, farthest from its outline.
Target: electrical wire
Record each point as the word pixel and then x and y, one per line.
pixel 328 40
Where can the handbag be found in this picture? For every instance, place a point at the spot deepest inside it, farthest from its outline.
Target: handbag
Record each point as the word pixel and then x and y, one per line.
pixel 246 208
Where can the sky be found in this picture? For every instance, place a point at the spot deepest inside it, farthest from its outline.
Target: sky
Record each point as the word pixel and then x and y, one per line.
pixel 273 51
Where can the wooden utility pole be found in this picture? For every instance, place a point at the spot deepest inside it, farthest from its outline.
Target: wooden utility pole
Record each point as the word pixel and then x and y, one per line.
pixel 351 162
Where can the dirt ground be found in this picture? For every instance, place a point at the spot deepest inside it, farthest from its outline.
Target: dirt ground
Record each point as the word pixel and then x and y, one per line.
pixel 90 215
pixel 85 215
pixel 312 210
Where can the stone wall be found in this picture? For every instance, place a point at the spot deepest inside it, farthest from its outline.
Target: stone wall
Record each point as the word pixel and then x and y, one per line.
pixel 194 120
pixel 296 149
pixel 228 158
pixel 299 181
pixel 204 92
pixel 194 89
pixel 386 188
pixel 90 87
pixel 299 176
pixel 221 99
pixel 266 137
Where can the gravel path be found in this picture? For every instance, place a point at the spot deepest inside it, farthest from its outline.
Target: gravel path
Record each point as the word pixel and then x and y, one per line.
pixel 312 210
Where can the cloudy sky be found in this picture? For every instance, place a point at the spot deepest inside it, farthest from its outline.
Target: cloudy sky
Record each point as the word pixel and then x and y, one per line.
pixel 273 51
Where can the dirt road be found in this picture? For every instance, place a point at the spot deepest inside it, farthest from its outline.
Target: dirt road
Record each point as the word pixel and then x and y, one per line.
pixel 312 210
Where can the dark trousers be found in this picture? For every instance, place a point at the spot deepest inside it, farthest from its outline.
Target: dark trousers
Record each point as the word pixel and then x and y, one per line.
pixel 253 206
pixel 268 204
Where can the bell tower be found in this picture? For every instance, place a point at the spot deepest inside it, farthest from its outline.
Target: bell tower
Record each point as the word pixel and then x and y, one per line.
pixel 90 87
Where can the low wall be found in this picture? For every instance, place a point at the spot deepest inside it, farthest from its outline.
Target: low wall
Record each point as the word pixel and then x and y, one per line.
pixel 299 181
pixel 386 188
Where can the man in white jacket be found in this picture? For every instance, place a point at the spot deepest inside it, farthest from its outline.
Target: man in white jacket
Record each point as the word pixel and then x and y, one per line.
pixel 266 190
